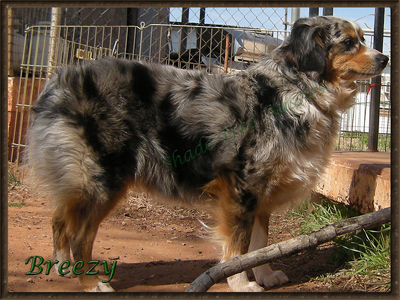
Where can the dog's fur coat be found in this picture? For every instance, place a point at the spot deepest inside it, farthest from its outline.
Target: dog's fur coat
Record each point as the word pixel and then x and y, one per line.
pixel 252 142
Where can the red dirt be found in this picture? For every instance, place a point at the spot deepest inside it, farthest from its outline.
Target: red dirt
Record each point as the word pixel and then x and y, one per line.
pixel 157 248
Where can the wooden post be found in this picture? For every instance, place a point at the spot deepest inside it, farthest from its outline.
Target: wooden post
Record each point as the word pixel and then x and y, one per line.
pixel 227 40
pixel 10 40
pixel 54 39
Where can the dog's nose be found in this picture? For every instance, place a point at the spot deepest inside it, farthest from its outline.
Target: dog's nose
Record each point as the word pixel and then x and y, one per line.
pixel 383 59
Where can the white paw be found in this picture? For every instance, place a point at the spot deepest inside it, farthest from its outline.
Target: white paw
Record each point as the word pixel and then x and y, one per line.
pixel 63 255
pixel 273 279
pixel 101 287
pixel 240 283
pixel 68 270
pixel 251 287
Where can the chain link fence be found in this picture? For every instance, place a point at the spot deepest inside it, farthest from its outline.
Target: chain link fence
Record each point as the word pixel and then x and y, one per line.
pixel 217 40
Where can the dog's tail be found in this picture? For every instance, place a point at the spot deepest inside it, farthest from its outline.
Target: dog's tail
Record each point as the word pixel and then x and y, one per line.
pixel 60 162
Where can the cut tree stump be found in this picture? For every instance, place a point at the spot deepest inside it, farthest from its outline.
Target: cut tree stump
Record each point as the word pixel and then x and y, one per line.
pixel 265 255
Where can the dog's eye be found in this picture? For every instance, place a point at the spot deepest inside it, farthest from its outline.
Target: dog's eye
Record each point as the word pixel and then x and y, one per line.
pixel 348 43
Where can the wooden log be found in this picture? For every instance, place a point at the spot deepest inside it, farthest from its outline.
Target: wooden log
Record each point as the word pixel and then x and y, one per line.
pixel 286 248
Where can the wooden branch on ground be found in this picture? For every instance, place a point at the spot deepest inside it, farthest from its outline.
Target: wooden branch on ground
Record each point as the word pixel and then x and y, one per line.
pixel 286 248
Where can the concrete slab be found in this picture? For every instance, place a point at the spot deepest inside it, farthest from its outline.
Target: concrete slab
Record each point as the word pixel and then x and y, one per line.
pixel 357 179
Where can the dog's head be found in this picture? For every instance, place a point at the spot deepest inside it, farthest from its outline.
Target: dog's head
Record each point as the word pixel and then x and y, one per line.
pixel 334 48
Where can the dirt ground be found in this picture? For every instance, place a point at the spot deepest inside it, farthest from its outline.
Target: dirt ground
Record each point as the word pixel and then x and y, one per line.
pixel 157 248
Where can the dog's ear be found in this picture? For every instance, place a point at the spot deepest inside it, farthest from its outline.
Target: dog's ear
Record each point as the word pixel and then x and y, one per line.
pixel 306 47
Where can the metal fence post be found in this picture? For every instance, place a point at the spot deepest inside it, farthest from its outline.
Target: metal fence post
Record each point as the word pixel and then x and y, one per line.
pixel 54 39
pixel 295 14
pixel 327 11
pixel 313 11
pixel 185 20
pixel 202 18
pixel 376 84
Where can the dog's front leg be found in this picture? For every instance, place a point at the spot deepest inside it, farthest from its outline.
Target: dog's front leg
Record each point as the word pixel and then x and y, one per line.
pixel 235 210
pixel 259 238
pixel 237 239
pixel 235 227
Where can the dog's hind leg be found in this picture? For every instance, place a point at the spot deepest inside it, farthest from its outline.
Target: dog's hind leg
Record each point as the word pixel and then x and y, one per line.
pixel 61 245
pixel 75 224
pixel 77 229
pixel 82 188
pixel 83 219
pixel 81 245
pixel 259 238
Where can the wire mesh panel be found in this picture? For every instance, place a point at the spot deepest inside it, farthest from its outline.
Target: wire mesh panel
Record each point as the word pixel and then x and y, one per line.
pixel 214 49
pixel 218 40
pixel 271 18
pixel 31 81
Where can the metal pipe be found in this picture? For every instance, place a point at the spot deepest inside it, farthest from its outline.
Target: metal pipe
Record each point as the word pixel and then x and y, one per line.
pixel 184 21
pixel 327 11
pixel 314 11
pixel 295 14
pixel 376 84
pixel 202 18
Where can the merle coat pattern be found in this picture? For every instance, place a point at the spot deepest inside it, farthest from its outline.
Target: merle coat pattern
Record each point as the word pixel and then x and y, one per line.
pixel 252 142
